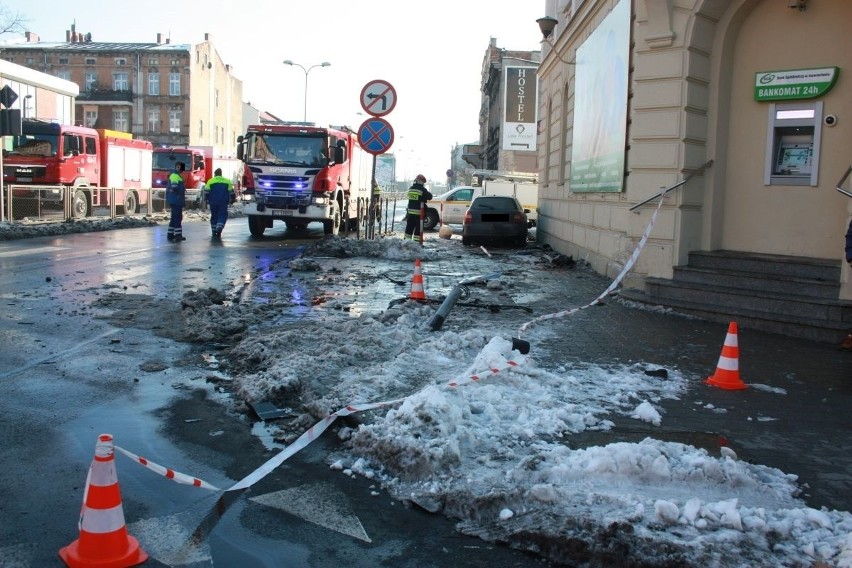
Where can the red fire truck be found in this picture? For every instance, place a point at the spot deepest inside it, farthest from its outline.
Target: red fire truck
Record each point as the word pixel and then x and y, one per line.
pixel 299 173
pixel 199 165
pixel 79 164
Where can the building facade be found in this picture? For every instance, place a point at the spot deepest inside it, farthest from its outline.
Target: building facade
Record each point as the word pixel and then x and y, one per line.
pixel 750 97
pixel 39 95
pixel 507 116
pixel 169 94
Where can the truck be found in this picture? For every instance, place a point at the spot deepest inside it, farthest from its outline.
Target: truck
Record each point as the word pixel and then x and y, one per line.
pixel 199 164
pixel 299 173
pixel 78 167
pixel 449 208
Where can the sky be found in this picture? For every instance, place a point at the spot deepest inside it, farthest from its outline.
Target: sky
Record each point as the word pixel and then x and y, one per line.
pixel 431 52
pixel 497 453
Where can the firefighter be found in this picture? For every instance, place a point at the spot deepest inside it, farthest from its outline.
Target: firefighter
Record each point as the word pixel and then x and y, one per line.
pixel 176 198
pixel 377 203
pixel 219 193
pixel 418 195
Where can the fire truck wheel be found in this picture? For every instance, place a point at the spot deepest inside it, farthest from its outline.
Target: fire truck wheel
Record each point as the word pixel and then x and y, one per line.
pixel 332 226
pixel 256 225
pixel 131 204
pixel 431 220
pixel 80 204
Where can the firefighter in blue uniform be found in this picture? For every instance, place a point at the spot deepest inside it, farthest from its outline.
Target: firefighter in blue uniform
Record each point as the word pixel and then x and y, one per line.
pixel 219 192
pixel 176 198
pixel 418 195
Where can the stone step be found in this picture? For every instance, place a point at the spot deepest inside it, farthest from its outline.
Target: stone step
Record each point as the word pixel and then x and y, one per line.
pixel 827 270
pixel 759 282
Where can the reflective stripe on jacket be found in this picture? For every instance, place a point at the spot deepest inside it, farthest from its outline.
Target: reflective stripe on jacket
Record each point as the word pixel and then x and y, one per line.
pixel 219 190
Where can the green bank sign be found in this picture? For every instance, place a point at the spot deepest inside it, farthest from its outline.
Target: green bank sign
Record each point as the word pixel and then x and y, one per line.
pixel 795 84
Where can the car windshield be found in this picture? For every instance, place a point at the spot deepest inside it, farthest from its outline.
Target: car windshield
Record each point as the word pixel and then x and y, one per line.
pixel 166 161
pixel 35 144
pixel 501 203
pixel 287 150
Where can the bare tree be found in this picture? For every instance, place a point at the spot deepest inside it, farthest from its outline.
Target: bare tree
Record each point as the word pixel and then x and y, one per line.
pixel 11 23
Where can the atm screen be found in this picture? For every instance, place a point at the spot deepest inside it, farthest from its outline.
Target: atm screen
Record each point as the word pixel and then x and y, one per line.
pixel 794 159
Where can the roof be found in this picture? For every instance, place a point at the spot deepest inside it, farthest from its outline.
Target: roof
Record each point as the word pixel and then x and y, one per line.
pixel 96 46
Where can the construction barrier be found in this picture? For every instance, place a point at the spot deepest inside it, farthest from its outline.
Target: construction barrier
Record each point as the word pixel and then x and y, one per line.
pixel 103 540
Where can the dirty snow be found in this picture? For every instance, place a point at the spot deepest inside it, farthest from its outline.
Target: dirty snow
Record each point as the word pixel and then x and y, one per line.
pixel 496 453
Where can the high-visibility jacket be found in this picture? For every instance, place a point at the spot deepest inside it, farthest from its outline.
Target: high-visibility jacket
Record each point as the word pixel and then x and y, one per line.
pixel 175 190
pixel 417 194
pixel 218 190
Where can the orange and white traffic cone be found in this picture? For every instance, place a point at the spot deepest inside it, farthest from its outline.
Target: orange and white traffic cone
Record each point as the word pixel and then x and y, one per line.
pixel 104 541
pixel 727 374
pixel 417 291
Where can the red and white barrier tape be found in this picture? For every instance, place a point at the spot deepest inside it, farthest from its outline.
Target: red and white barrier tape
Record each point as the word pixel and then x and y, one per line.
pixel 630 262
pixel 175 476
pixel 302 441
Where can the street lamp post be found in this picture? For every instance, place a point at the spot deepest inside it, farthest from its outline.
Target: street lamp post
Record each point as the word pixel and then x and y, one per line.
pixel 308 70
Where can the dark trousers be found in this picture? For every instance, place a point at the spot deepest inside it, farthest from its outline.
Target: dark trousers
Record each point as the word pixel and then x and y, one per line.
pixel 412 226
pixel 218 216
pixel 175 221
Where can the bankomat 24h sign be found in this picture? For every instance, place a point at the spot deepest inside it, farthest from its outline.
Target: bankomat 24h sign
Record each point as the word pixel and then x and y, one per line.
pixel 794 84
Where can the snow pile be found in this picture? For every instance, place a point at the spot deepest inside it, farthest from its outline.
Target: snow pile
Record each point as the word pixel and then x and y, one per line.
pixel 504 453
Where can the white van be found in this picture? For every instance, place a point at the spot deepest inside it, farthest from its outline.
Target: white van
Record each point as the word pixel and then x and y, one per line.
pixel 449 208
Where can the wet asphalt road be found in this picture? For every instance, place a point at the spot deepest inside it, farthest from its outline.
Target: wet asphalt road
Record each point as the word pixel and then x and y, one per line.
pixel 67 376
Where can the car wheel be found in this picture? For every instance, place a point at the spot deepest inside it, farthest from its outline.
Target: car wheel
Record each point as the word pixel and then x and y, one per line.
pixel 432 219
pixel 332 226
pixel 256 225
pixel 79 204
pixel 131 205
pixel 466 241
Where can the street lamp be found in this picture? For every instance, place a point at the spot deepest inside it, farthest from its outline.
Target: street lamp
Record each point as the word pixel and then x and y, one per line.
pixel 308 70
pixel 547 25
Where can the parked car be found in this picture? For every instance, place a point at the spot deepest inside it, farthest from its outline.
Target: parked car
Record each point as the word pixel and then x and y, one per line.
pixel 493 218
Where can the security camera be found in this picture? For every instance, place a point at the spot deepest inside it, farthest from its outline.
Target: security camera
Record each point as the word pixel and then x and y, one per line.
pixel 830 120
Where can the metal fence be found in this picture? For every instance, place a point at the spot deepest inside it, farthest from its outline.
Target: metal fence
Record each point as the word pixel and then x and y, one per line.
pixel 59 203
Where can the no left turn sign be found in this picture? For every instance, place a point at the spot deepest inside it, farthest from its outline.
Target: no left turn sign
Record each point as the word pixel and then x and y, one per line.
pixel 378 97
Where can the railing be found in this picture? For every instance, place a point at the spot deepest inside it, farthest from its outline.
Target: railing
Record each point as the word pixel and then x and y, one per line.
pixel 843 179
pixel 706 165
pixel 57 203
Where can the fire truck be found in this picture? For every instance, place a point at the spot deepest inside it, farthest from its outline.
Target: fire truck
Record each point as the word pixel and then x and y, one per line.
pixel 78 168
pixel 199 165
pixel 299 173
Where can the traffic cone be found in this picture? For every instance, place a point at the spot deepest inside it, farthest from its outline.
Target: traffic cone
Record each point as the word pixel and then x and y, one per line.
pixel 417 291
pixel 727 374
pixel 103 542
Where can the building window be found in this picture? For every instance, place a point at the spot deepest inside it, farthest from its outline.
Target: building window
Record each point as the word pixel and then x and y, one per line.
pixel 30 61
pixel 174 121
pixel 121 120
pixel 91 61
pixel 153 62
pixel 153 120
pixel 64 74
pixel 200 128
pixel 119 82
pixel 121 62
pixel 91 118
pixel 153 83
pixel 91 81
pixel 63 61
pixel 174 84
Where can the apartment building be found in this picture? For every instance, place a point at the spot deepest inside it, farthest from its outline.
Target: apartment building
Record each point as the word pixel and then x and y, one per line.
pixel 169 94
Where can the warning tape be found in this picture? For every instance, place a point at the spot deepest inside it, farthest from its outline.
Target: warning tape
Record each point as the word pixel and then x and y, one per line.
pixel 175 476
pixel 302 441
pixel 630 262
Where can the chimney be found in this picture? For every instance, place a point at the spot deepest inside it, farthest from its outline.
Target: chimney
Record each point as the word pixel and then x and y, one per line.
pixel 67 36
pixel 32 37
pixel 207 37
pixel 159 39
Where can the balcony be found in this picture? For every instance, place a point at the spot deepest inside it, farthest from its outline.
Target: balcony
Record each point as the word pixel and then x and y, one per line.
pixel 105 96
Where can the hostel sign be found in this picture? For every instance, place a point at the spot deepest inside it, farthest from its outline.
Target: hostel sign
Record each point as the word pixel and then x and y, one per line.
pixel 794 84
